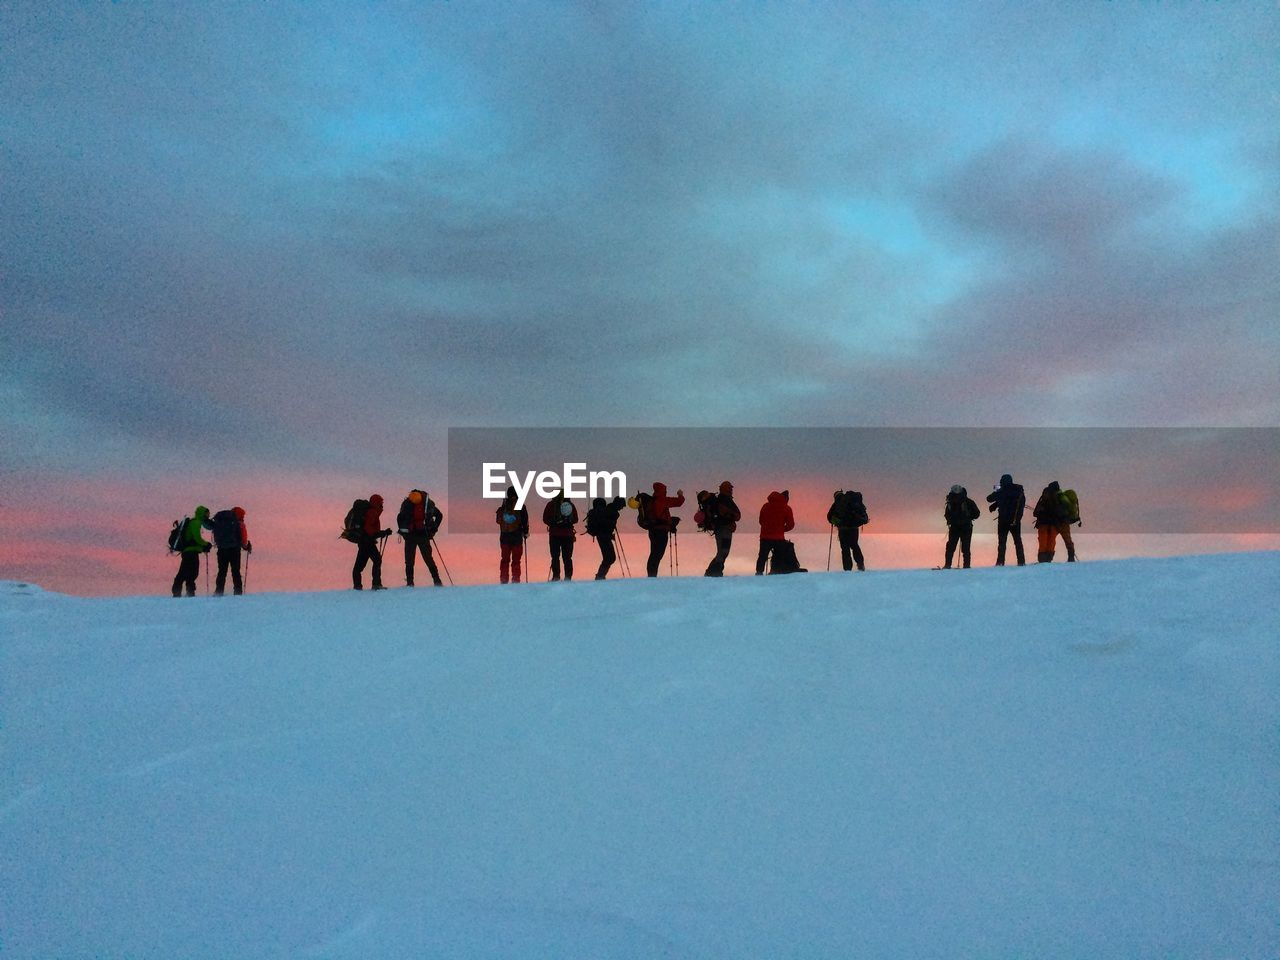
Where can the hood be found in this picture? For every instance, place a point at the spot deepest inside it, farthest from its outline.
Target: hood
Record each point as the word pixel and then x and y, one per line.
pixel 202 513
pixel 659 489
pixel 376 500
pixel 239 512
pixel 598 503
pixel 1006 480
pixel 1053 487
pixel 726 488
pixel 776 497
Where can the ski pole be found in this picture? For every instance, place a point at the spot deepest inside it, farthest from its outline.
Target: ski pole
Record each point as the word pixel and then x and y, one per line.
pixel 442 563
pixel 622 553
pixel 246 572
pixel 206 573
pixel 675 550
pixel 831 536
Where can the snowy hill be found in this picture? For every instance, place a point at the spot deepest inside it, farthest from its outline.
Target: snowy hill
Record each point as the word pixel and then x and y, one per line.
pixel 1048 762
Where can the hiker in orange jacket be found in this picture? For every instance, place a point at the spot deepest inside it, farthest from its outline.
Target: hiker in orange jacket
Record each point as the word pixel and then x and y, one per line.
pixel 776 519
pixel 1052 520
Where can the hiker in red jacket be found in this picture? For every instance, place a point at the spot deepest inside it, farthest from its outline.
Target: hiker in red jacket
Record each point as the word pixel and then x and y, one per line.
pixel 775 520
pixel 560 516
pixel 661 524
pixel 370 533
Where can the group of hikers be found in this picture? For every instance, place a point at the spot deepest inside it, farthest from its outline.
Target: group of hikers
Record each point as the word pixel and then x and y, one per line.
pixel 717 514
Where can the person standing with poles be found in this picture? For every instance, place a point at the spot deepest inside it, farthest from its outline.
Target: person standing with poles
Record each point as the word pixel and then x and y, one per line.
pixel 847 515
pixel 371 540
pixel 230 535
pixel 191 545
pixel 959 512
pixel 602 525
pixel 513 536
pixel 418 520
pixel 653 513
pixel 561 517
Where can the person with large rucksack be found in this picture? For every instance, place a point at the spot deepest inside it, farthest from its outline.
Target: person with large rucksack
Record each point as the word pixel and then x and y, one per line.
pixel 776 519
pixel 959 512
pixel 417 522
pixel 185 539
pixel 602 525
pixel 1008 502
pixel 363 528
pixel 230 536
pixel 561 518
pixel 1055 512
pixel 718 515
pixel 848 514
pixel 513 531
pixel 653 513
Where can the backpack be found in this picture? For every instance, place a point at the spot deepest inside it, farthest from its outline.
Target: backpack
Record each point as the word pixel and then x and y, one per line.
pixel 644 516
pixel 594 526
pixel 857 510
pixel 1070 506
pixel 353 523
pixel 511 525
pixel 226 530
pixel 178 535
pixel 785 559
pixel 708 515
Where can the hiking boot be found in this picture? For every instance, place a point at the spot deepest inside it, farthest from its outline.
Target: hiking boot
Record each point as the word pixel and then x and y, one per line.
pixel 378 586
pixel 356 587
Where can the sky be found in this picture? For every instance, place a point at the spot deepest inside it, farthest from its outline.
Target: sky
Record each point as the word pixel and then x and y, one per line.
pixel 268 254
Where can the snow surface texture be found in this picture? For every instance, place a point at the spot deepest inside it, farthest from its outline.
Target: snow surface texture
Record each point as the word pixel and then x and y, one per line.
pixel 1047 762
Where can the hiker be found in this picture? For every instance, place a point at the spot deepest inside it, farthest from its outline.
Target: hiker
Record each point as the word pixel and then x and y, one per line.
pixel 776 519
pixel 1007 502
pixel 513 527
pixel 848 514
pixel 418 520
pixel 602 524
pixel 720 516
pixel 230 535
pixel 367 537
pixel 1055 512
pixel 959 512
pixel 560 516
pixel 191 545
pixel 654 514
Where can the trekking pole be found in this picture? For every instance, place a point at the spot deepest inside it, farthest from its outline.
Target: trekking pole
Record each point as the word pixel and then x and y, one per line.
pixel 382 544
pixel 246 571
pixel 206 573
pixel 831 536
pixel 675 550
pixel 622 553
pixel 442 563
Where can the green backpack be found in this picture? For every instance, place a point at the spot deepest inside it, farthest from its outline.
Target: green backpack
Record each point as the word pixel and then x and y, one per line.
pixel 1070 505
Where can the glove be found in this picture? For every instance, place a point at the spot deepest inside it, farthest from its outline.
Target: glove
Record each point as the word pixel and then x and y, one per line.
pixel 206 548
pixel 248 548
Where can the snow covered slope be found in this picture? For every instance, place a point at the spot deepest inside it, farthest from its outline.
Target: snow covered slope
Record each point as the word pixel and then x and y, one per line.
pixel 1043 762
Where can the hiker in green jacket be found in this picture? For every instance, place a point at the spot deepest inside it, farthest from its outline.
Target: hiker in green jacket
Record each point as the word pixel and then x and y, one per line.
pixel 191 546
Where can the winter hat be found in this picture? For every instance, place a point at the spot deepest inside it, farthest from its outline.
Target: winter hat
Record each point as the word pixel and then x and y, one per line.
pixel 726 488
pixel 957 489
pixel 1006 479
pixel 415 496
